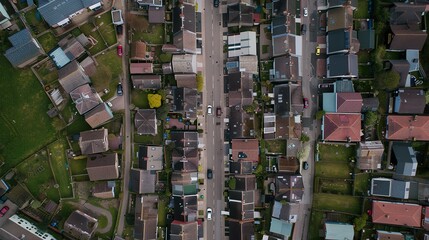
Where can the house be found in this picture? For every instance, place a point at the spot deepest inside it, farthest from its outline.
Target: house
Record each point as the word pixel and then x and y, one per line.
pixel 150 3
pixel 402 67
pixel 183 230
pixel 80 225
pixel 85 98
pixel 370 104
pixel 184 140
pixel 241 230
pixel 366 39
pixel 286 211
pixel 245 182
pixel 186 41
pixel 146 217
pixel 240 123
pixel 343 40
pixel 104 189
pixel 413 56
pixel 407 127
pixel 58 13
pixel 142 181
pixel 285 68
pixel 339 18
pixel 248 64
pixel 185 159
pixel 89 66
pixel 288 100
pixel 240 15
pixel 240 86
pixel 72 76
pixel 341 127
pixel 16 227
pixel 145 122
pixel 287 164
pixel 184 183
pixel 186 80
pixel 342 66
pixel 405 158
pixel 242 44
pixel 4 18
pixel 69 49
pixel 141 68
pixel 25 49
pixel 99 115
pixel 269 125
pixel 410 101
pixel 184 17
pixel 289 188
pixel 138 51
pixel 241 167
pixel 405 21
pixel 241 205
pixel 156 14
pixel 341 3
pixel 386 187
pixel 245 149
pixel 184 63
pixel 94 141
pixel 185 208
pixel 385 235
pixel 397 213
pixel 102 166
pixel 185 101
pixel 150 157
pixel 281 227
pixel 345 102
pixel 335 231
pixel 369 155
pixel 146 82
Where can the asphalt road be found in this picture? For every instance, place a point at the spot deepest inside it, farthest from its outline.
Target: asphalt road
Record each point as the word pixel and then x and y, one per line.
pixel 213 95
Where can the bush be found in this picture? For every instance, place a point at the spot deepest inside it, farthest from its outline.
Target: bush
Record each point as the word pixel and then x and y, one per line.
pixel 360 222
pixel 154 100
pixel 232 183
pixel 320 114
pixel 387 80
pixel 304 138
pixel 200 82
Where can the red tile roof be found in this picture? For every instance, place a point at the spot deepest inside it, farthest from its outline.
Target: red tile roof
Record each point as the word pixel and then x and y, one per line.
pixel 408 128
pixel 401 214
pixel 248 148
pixel 349 102
pixel 341 126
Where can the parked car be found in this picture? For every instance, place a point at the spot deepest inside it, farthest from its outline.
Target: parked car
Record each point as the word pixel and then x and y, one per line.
pixel 119 90
pixel 209 174
pixel 209 110
pixel 305 165
pixel 305 12
pixel 323 85
pixel 119 29
pixel 305 102
pixel 3 211
pixel 216 3
pixel 303 29
pixel 209 213
pixel 218 111
pixel 120 50
pixel 317 50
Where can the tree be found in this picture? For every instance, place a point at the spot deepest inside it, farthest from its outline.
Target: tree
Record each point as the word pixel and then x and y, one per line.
pixel 251 108
pixel 320 114
pixel 265 98
pixel 232 183
pixel 162 112
pixel 387 79
pixel 378 56
pixel 200 82
pixel 154 100
pixel 304 138
pixel 371 118
pixel 360 222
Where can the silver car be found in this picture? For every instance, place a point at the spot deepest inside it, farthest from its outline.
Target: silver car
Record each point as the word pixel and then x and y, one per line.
pixel 209 214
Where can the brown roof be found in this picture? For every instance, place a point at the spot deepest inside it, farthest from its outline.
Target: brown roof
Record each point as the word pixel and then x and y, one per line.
pixel 156 14
pixel 288 164
pixel 246 149
pixel 98 115
pixel 72 76
pixel 402 67
pixel 410 101
pixel 384 235
pixel 342 127
pixel 407 13
pixel 146 81
pixel 80 225
pixel 289 187
pixel 145 121
pixel 339 18
pixel 141 68
pixel 245 182
pixel 138 50
pixel 71 47
pixel 89 66
pixel 146 217
pixel 408 128
pixel 186 80
pixel 395 213
pixel 94 141
pixel 349 102
pixel 186 41
pixel 142 181
pixel 405 38
pixel 85 98
pixel 241 230
pixel 103 190
pixel 370 154
pixel 102 166
pixel 183 230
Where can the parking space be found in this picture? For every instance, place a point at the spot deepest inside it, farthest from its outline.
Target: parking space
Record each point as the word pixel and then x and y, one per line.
pixel 12 210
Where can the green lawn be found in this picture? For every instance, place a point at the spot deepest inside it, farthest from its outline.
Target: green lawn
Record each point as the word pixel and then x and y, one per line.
pixel 108 72
pixel 333 170
pixel 335 186
pixel 366 71
pixel 48 41
pixel 36 22
pixel 24 125
pixel 60 167
pixel 106 28
pixel 362 10
pixel 361 185
pixel 139 98
pixel 162 213
pixel 363 86
pixel 340 203
pixel 315 224
pixel 276 146
pixel 336 152
pixel 88 29
pixel 364 56
pixel 36 174
pixel 153 35
pixel 78 166
pixel 48 72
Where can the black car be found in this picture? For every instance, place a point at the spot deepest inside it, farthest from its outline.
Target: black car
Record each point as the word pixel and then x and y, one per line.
pixel 303 29
pixel 305 165
pixel 119 29
pixel 209 174
pixel 216 3
pixel 119 90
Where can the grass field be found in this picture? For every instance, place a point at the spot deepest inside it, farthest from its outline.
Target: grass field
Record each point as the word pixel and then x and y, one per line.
pixel 154 34
pixel 24 125
pixel 276 146
pixel 78 166
pixel 90 31
pixel 332 169
pixel 36 22
pixel 337 153
pixel 106 28
pixel 335 186
pixel 108 72
pixel 48 72
pixel 48 41
pixel 340 203
pixel 139 98
pixel 36 174
pixel 315 222
pixel 361 184
pixel 362 10
pixel 60 167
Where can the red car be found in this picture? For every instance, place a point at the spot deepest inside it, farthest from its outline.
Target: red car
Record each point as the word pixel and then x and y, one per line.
pixel 120 51
pixel 305 102
pixel 4 210
pixel 218 111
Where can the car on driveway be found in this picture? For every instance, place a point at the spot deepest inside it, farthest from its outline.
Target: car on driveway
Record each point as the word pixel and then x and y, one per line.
pixel 120 50
pixel 305 165
pixel 305 102
pixel 119 90
pixel 305 12
pixel 209 213
pixel 209 174
pixel 209 110
pixel 119 29
pixel 3 211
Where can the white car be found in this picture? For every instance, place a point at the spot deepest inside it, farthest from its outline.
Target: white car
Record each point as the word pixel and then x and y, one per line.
pixel 209 214
pixel 209 110
pixel 305 12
